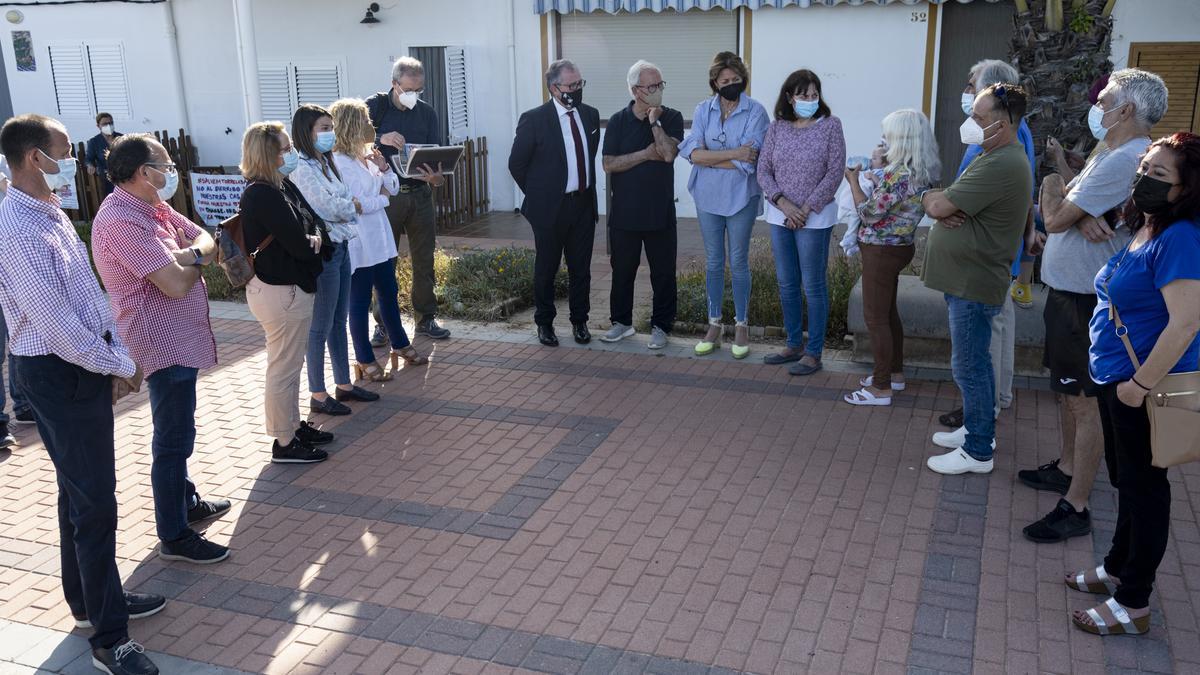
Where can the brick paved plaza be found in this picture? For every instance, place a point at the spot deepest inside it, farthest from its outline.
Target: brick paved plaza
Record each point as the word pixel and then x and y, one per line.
pixel 512 508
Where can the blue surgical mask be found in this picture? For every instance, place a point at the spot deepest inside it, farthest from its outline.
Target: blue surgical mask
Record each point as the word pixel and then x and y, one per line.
pixel 172 184
pixel 325 140
pixel 65 175
pixel 805 109
pixel 1096 120
pixel 290 159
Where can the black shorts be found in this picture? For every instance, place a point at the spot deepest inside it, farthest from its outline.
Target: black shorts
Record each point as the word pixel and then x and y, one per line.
pixel 1067 342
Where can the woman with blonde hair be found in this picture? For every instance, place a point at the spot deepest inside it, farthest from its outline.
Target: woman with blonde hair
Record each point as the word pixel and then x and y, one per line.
pixel 288 242
pixel 370 181
pixel 885 238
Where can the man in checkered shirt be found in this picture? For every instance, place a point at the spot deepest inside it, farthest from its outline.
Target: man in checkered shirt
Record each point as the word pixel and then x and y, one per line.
pixel 149 258
pixel 71 368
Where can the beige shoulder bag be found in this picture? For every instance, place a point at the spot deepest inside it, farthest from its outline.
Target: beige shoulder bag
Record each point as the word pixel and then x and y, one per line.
pixel 1173 405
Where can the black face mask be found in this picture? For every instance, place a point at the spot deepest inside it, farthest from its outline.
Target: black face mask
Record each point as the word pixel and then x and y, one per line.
pixel 571 99
pixel 1150 195
pixel 731 92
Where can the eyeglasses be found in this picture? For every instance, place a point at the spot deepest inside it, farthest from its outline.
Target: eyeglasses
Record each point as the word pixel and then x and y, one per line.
pixel 572 87
pixel 167 167
pixel 651 88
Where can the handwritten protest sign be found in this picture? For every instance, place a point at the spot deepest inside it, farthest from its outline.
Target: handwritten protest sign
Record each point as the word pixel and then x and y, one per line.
pixel 216 196
pixel 70 198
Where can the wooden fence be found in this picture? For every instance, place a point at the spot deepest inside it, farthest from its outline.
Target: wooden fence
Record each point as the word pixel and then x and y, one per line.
pixel 461 200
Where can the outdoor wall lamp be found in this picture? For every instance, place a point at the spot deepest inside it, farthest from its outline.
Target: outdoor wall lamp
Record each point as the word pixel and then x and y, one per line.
pixel 370 17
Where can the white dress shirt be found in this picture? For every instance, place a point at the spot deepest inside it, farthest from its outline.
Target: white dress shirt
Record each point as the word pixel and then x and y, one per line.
pixel 569 144
pixel 375 242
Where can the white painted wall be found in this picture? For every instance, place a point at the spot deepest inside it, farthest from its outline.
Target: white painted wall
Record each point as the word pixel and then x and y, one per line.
pixel 211 78
pixel 1152 21
pixel 142 29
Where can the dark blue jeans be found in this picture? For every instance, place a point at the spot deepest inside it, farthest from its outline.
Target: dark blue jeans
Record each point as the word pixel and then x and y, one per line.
pixel 329 322
pixel 19 404
pixel 382 279
pixel 173 408
pixel 971 364
pixel 801 263
pixel 73 408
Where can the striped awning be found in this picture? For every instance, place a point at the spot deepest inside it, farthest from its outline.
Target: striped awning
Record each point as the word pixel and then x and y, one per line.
pixel 614 6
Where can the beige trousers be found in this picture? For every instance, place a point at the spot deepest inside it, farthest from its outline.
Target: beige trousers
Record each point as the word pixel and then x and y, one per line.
pixel 285 313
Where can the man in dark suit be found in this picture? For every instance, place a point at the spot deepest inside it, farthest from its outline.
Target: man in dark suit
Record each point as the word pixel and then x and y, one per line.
pixel 553 160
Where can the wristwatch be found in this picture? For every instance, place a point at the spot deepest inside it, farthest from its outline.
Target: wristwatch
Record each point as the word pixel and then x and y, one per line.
pixel 656 123
pixel 199 257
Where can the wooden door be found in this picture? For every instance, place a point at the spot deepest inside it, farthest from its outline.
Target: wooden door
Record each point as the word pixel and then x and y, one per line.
pixel 1178 64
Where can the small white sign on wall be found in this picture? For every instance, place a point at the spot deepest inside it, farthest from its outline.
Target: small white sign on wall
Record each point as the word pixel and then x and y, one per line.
pixel 215 196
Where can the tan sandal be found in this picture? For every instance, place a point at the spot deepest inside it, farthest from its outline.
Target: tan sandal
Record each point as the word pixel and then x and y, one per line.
pixel 1125 625
pixel 1104 586
pixel 372 372
pixel 410 355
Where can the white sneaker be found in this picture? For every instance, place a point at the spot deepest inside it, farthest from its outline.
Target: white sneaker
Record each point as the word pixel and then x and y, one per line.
pixel 618 332
pixel 954 439
pixel 957 461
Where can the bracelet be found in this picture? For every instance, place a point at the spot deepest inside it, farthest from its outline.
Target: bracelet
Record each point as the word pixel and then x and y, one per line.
pixel 1134 380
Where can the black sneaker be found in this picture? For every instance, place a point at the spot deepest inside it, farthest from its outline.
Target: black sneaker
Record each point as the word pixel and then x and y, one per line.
pixel 432 330
pixel 193 548
pixel 207 510
pixel 6 439
pixel 139 605
pixel 126 658
pixel 313 436
pixel 24 417
pixel 952 419
pixel 1060 524
pixel 297 452
pixel 1046 477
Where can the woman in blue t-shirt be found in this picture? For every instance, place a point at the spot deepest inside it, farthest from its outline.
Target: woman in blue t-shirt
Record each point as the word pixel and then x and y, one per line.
pixel 1154 285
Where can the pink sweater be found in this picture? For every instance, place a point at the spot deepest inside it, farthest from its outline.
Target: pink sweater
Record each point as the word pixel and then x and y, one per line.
pixel 805 165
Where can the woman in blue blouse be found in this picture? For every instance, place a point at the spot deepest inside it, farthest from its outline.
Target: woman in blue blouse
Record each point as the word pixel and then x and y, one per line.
pixel 727 132
pixel 1154 284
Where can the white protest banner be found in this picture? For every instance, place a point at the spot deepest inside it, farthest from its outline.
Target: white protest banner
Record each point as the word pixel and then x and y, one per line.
pixel 216 196
pixel 70 199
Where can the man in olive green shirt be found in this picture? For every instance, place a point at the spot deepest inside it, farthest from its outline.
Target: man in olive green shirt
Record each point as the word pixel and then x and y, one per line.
pixel 981 220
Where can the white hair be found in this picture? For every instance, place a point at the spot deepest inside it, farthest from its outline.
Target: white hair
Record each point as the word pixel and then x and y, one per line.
pixel 636 70
pixel 1146 91
pixel 993 71
pixel 911 145
pixel 406 65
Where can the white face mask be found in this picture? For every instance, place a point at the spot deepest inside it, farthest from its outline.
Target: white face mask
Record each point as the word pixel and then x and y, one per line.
pixel 65 175
pixel 972 134
pixel 170 185
pixel 408 99
pixel 968 103
pixel 107 130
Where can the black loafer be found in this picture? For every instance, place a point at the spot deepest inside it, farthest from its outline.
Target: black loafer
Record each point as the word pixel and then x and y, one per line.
pixel 581 333
pixel 546 336
pixel 802 368
pixel 329 406
pixel 780 358
pixel 125 658
pixel 355 394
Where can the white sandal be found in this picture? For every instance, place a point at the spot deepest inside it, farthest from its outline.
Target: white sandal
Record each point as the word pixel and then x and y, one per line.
pixel 866 382
pixel 865 397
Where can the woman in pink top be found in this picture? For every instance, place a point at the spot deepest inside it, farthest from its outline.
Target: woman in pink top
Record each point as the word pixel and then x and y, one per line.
pixel 799 169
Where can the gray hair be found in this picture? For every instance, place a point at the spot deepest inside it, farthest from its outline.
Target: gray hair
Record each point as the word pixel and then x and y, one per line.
pixel 636 70
pixel 555 71
pixel 407 65
pixel 993 71
pixel 1146 91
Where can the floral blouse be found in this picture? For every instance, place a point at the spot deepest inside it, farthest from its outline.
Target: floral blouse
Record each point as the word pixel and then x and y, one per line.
pixel 891 213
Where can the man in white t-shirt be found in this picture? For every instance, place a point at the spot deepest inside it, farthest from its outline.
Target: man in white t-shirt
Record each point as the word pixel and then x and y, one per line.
pixel 1084 230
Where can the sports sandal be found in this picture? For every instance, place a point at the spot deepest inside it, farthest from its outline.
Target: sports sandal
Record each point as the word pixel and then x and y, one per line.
pixel 865 397
pixel 1105 586
pixel 1124 625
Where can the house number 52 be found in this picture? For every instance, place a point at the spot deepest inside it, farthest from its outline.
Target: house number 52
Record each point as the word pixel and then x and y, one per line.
pixel 919 17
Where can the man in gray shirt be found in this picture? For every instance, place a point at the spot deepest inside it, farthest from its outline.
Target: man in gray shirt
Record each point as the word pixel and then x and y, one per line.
pixel 1084 231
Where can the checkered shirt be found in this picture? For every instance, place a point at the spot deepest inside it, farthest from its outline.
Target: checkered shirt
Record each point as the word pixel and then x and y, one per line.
pixel 52 303
pixel 130 240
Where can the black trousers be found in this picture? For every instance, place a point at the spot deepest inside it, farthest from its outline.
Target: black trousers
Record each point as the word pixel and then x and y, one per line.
pixel 1143 499
pixel 73 409
pixel 626 257
pixel 571 234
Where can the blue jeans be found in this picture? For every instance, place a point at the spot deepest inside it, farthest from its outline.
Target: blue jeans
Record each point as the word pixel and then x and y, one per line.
pixel 381 278
pixel 173 408
pixel 329 322
pixel 971 363
pixel 713 229
pixel 73 408
pixel 801 263
pixel 19 403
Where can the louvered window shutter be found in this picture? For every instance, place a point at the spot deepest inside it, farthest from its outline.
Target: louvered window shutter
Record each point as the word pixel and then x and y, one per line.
pixel 1178 64
pixel 457 94
pixel 275 92
pixel 69 70
pixel 110 87
pixel 317 83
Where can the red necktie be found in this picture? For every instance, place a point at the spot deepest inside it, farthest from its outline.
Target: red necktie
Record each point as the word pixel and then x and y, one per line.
pixel 580 161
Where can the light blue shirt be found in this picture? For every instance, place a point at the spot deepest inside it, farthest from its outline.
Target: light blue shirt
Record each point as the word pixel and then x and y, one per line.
pixel 1026 137
pixel 724 192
